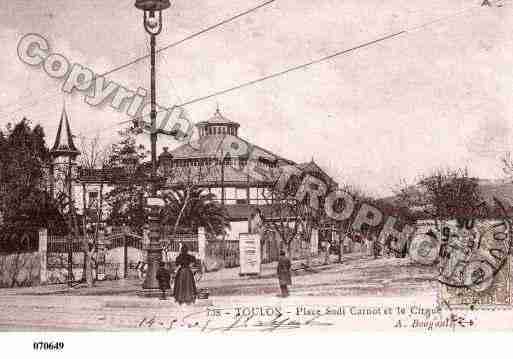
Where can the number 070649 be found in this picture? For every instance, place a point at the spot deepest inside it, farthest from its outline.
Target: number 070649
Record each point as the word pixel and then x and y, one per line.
pixel 48 345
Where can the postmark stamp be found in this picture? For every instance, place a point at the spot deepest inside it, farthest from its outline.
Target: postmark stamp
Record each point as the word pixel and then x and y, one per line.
pixel 474 264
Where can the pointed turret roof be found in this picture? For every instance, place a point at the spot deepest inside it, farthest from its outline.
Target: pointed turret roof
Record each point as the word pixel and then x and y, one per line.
pixel 64 145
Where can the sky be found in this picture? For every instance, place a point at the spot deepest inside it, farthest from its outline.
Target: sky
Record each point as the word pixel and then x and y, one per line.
pixel 438 96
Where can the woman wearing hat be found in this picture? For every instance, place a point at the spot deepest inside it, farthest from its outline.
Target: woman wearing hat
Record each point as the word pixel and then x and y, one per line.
pixel 185 286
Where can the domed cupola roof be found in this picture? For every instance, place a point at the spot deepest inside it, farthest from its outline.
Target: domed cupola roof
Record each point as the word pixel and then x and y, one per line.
pixel 217 125
pixel 219 119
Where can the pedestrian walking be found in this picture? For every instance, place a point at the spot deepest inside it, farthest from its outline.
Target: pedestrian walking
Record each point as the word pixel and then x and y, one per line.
pixel 185 286
pixel 284 276
pixel 164 278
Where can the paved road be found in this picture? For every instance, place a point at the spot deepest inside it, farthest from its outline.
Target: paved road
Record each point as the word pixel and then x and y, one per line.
pixel 114 306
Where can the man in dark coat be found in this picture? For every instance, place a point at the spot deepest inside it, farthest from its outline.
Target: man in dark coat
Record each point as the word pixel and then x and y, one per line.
pixel 284 276
pixel 164 278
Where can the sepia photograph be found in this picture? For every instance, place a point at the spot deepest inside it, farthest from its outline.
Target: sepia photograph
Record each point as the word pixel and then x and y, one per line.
pixel 254 167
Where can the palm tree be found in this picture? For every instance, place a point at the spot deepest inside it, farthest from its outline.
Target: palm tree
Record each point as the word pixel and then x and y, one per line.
pixel 192 209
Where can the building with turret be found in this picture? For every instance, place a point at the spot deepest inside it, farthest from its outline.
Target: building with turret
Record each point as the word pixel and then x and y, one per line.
pixel 203 164
pixel 63 160
pixel 222 173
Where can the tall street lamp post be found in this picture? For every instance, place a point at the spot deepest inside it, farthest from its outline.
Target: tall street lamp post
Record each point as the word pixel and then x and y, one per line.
pixel 153 26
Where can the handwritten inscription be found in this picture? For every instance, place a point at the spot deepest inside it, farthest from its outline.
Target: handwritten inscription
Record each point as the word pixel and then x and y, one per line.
pixel 277 318
pixel 196 320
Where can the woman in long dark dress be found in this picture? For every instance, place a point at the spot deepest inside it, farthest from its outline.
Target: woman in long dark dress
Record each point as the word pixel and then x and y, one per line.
pixel 185 286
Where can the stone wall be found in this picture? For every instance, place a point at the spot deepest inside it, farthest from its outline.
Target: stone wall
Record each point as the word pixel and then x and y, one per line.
pixel 20 269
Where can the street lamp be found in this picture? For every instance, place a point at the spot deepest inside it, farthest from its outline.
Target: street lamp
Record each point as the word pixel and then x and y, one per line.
pixel 153 26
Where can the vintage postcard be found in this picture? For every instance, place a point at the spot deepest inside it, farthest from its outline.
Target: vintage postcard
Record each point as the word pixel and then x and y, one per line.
pixel 253 166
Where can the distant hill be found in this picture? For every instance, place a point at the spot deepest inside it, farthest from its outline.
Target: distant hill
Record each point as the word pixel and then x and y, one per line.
pixel 501 189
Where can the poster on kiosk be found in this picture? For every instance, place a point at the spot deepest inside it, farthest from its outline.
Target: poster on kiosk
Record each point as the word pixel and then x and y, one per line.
pixel 250 259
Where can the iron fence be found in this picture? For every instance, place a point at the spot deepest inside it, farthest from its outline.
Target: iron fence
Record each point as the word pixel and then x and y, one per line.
pixel 226 250
pixel 59 244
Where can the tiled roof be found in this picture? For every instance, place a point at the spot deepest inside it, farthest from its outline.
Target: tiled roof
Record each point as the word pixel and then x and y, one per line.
pixel 199 162
pixel 214 174
pixel 212 146
pixel 188 150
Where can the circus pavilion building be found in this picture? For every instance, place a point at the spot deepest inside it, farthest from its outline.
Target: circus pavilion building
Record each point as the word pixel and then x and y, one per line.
pixel 198 163
pixel 241 193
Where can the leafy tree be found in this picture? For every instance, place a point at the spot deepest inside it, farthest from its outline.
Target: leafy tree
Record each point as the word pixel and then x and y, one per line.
pixel 294 219
pixel 126 158
pixel 24 160
pixel 24 199
pixel 93 156
pixel 281 208
pixel 445 194
pixel 186 183
pixel 192 209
